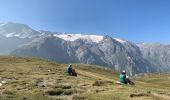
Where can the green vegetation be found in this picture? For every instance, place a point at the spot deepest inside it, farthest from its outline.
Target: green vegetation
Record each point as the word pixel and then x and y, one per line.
pixel 35 79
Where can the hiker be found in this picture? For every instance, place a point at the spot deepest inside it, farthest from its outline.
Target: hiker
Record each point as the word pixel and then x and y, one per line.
pixel 125 79
pixel 71 71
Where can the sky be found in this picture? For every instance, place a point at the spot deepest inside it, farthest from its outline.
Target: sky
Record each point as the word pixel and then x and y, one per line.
pixel 134 20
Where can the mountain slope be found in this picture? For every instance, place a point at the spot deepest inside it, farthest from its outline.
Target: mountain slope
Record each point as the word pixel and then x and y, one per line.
pixel 158 55
pixel 35 79
pixel 11 43
pixel 106 52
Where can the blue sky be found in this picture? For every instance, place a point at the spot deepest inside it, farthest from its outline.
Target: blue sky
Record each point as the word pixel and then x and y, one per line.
pixel 134 20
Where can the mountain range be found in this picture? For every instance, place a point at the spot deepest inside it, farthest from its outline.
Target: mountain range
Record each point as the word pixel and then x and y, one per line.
pixel 115 53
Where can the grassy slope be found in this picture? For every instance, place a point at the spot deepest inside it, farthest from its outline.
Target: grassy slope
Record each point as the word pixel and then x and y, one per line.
pixel 34 79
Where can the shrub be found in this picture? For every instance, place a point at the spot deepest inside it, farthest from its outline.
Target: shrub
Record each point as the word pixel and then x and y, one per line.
pixel 55 92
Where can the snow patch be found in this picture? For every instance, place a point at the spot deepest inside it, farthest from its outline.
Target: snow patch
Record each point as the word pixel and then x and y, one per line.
pixel 73 37
pixel 2 24
pixel 10 34
pixel 120 40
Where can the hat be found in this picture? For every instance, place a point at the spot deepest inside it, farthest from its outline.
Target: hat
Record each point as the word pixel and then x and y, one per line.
pixel 124 72
pixel 70 65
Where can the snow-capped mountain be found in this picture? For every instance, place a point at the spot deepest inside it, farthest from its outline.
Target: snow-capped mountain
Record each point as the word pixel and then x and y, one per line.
pixel 11 29
pixel 21 40
pixel 13 35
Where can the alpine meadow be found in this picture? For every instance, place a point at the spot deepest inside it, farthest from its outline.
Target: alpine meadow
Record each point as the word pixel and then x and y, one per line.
pixel 84 50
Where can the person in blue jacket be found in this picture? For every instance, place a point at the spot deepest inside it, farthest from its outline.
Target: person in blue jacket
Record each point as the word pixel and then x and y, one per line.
pixel 71 71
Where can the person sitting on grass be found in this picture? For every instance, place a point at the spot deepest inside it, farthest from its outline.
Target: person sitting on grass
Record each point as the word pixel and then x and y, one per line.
pixel 124 79
pixel 71 71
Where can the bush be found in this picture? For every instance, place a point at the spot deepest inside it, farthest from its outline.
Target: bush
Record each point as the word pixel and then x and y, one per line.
pixel 54 92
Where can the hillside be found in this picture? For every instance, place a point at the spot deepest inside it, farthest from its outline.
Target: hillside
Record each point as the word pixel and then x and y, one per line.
pixel 35 79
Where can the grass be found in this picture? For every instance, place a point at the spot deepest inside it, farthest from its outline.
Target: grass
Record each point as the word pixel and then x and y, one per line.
pixel 36 79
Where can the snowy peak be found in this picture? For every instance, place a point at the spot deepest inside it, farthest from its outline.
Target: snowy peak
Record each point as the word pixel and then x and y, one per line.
pixel 11 29
pixel 120 40
pixel 1 24
pixel 73 37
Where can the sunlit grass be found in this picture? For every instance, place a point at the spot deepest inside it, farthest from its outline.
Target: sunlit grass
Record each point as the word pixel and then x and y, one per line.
pixel 36 79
